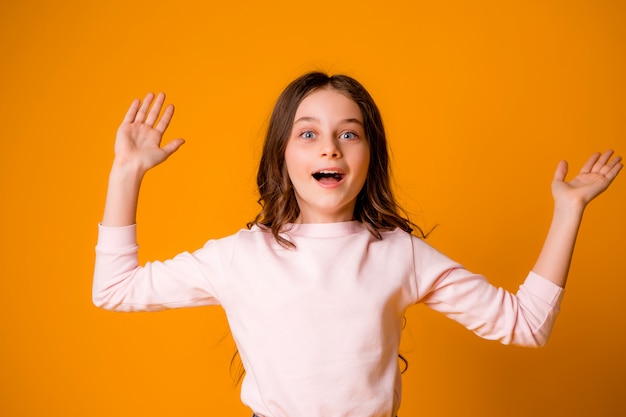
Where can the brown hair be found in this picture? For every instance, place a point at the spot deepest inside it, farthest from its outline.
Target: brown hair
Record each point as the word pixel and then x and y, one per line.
pixel 376 206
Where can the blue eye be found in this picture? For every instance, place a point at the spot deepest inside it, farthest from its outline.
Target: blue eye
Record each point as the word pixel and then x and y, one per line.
pixel 307 134
pixel 348 135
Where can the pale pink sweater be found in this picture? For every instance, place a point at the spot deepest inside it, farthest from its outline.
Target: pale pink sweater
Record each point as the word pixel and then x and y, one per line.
pixel 318 327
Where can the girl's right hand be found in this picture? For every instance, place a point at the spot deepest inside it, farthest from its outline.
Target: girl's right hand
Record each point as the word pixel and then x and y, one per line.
pixel 138 140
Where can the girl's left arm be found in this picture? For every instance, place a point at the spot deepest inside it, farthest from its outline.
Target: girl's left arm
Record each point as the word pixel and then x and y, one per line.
pixel 570 200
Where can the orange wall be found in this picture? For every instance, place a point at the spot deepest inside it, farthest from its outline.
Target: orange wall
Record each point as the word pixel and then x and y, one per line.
pixel 481 99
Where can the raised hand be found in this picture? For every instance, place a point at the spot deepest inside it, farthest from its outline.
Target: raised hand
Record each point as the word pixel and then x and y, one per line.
pixel 594 177
pixel 139 137
pixel 570 199
pixel 137 149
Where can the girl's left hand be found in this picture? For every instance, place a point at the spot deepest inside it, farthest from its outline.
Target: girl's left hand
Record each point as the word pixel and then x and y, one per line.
pixel 594 177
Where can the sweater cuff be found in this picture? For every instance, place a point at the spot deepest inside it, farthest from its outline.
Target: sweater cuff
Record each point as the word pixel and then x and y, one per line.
pixel 545 289
pixel 117 237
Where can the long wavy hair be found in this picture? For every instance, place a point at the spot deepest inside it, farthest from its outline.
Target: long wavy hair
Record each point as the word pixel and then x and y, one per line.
pixel 375 206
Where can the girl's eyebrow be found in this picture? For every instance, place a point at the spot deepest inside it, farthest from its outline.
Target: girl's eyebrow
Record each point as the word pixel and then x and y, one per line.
pixel 316 120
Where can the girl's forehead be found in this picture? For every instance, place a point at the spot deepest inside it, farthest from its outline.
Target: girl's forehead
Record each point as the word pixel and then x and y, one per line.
pixel 330 102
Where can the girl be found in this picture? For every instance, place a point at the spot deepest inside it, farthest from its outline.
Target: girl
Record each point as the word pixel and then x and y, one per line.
pixel 315 289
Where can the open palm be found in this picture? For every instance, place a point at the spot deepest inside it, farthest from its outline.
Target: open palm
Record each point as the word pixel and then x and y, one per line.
pixel 594 177
pixel 139 137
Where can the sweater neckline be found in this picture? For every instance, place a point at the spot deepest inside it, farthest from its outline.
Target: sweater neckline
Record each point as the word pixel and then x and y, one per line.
pixel 323 229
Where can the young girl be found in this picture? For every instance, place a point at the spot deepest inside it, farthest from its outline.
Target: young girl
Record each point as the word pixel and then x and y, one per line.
pixel 315 289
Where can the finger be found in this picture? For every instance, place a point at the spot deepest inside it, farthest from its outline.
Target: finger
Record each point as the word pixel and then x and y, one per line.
pixel 601 162
pixel 561 171
pixel 610 164
pixel 165 119
pixel 615 169
pixel 173 146
pixel 590 163
pixel 153 115
pixel 141 113
pixel 132 111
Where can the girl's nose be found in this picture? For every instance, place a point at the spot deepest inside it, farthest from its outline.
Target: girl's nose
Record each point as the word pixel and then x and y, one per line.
pixel 329 148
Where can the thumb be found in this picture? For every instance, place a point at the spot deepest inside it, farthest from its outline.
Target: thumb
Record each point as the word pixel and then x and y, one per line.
pixel 173 146
pixel 561 171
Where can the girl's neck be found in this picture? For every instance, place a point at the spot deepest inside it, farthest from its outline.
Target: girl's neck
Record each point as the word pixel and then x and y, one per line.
pixel 324 229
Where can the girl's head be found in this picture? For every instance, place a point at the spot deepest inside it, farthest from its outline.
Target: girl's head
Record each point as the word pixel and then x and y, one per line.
pixel 374 204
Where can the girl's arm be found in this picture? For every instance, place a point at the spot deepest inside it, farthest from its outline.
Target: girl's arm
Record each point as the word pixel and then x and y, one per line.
pixel 570 200
pixel 119 282
pixel 137 149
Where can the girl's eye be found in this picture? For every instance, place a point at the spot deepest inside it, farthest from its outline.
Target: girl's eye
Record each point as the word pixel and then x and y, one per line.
pixel 348 135
pixel 307 135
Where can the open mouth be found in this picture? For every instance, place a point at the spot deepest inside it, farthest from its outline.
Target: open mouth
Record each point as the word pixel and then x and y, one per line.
pixel 328 176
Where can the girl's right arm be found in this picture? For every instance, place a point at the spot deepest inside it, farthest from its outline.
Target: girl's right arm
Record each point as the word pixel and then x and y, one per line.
pixel 120 283
pixel 137 149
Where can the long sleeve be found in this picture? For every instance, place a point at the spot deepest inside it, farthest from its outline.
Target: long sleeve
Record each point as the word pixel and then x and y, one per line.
pixel 524 318
pixel 121 284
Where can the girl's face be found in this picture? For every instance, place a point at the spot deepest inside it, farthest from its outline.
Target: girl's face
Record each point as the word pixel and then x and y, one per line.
pixel 327 157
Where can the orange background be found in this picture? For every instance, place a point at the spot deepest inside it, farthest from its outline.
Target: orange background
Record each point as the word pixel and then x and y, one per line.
pixel 481 99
